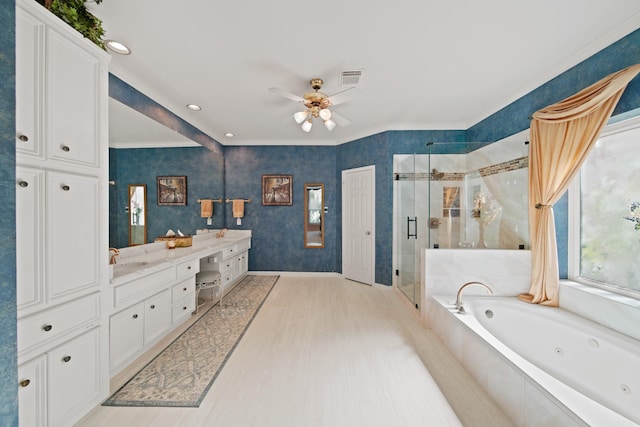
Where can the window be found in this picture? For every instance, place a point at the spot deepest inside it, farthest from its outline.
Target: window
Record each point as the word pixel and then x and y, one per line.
pixel 604 239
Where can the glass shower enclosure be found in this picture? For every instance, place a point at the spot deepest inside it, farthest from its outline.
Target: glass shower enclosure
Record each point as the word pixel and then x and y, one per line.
pixel 457 196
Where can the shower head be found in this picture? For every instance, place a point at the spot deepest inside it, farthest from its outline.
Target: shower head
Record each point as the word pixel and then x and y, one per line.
pixel 435 174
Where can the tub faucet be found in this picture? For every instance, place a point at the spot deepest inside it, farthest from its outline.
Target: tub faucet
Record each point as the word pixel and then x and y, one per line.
pixel 113 252
pixel 459 295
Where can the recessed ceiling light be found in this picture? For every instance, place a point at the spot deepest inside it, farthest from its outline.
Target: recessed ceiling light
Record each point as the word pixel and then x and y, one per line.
pixel 194 107
pixel 117 47
pixel 229 135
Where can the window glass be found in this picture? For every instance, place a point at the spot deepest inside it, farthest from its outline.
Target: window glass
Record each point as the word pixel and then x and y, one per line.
pixel 609 236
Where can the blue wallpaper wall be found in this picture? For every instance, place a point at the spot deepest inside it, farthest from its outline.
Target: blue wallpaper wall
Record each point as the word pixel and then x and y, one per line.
pixel 8 348
pixel 278 231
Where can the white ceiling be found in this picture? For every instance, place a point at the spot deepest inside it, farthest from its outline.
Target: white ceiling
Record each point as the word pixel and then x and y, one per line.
pixel 426 64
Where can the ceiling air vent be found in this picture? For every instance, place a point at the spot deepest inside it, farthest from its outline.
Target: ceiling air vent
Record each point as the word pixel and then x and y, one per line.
pixel 350 77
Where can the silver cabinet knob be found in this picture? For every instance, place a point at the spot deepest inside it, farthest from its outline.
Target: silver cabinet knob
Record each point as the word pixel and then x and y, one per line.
pixel 23 138
pixel 23 184
pixel 65 148
pixel 368 233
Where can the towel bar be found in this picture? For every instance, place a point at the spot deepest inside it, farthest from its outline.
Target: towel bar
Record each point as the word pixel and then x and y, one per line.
pixel 213 200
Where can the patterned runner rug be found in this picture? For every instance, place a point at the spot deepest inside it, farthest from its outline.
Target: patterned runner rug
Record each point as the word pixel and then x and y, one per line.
pixel 183 373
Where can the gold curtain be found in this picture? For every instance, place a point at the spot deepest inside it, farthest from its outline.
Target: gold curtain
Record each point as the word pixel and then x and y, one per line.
pixel 561 137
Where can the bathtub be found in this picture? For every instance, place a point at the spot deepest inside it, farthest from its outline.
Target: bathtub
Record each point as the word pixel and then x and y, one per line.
pixel 543 365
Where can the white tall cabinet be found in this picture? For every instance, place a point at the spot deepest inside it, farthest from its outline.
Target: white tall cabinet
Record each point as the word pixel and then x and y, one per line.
pixel 61 219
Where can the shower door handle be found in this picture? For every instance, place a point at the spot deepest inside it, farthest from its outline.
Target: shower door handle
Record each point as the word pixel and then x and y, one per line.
pixel 415 227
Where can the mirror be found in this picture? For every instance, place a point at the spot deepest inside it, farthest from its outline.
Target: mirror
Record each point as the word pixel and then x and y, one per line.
pixel 137 214
pixel 314 215
pixel 131 129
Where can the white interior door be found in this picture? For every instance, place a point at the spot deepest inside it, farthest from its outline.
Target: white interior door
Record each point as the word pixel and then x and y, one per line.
pixel 358 224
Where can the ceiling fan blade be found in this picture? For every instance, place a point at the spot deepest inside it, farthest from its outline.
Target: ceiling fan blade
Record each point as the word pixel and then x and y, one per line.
pixel 340 120
pixel 286 94
pixel 343 96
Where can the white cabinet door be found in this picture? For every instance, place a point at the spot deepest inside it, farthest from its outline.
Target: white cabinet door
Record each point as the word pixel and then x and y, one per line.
pixel 73 205
pixel 29 237
pixel 74 372
pixel 126 334
pixel 157 315
pixel 29 83
pixel 238 265
pixel 32 393
pixel 73 88
pixel 245 262
pixel 242 264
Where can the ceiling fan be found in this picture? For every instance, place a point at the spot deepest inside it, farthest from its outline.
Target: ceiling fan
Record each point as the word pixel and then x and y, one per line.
pixel 317 105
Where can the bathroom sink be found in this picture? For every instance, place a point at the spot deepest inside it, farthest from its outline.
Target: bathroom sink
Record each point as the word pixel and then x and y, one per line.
pixel 133 264
pixel 123 268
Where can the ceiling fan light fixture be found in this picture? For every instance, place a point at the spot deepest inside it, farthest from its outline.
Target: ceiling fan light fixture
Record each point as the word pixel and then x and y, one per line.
pixel 329 124
pixel 300 116
pixel 325 114
pixel 306 126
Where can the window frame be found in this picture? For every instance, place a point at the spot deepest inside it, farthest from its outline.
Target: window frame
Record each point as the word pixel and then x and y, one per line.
pixel 574 212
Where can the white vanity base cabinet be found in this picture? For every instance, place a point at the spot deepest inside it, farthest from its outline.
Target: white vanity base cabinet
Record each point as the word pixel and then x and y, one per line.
pixel 150 303
pixel 148 307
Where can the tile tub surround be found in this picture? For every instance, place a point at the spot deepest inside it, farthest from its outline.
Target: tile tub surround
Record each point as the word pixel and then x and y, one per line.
pixel 528 395
pixel 507 272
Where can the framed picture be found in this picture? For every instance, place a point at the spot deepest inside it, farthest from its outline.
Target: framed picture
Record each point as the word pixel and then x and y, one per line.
pixel 277 190
pixel 172 190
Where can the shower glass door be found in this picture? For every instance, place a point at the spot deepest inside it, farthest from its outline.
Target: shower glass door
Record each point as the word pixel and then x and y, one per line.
pixel 411 196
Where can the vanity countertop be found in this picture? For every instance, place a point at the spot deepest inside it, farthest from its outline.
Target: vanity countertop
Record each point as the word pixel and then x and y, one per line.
pixel 136 261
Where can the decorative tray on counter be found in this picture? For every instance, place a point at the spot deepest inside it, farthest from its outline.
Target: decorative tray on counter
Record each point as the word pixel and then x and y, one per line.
pixel 181 241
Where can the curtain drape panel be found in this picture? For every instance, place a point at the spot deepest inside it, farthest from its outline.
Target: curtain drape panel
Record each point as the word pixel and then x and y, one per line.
pixel 561 137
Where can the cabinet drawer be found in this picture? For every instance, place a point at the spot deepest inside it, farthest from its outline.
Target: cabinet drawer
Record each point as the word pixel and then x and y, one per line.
pixel 47 325
pixel 187 268
pixel 227 278
pixel 229 251
pixel 226 265
pixel 183 308
pixel 139 289
pixel 182 289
